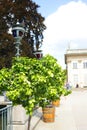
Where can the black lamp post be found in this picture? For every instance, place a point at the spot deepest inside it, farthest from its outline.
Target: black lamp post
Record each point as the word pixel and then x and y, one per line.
pixel 18 33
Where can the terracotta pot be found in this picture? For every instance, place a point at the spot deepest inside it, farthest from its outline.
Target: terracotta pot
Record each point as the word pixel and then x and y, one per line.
pixel 56 103
pixel 48 113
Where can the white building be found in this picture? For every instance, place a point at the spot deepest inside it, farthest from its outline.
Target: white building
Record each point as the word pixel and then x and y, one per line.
pixel 76 65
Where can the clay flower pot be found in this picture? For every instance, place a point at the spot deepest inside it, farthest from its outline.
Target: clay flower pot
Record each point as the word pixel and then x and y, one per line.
pixel 48 113
pixel 56 103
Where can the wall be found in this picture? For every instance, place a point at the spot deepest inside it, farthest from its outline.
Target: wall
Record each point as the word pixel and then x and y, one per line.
pixel 80 71
pixel 19 118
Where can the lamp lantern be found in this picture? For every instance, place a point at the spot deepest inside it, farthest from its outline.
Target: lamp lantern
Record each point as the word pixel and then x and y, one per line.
pixel 18 33
pixel 38 54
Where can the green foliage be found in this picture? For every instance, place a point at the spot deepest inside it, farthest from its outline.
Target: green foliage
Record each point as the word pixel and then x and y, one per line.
pixel 67 92
pixel 4 79
pixel 33 82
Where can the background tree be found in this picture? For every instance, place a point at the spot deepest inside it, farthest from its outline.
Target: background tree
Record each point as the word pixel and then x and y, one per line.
pixel 26 12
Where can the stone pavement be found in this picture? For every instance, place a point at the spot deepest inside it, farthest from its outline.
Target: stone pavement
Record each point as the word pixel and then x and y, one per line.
pixel 70 115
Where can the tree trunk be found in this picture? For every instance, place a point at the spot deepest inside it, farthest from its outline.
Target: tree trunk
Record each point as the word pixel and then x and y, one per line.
pixel 29 120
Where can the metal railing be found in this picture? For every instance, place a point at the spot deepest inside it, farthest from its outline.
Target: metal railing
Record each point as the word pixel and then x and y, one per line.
pixel 6 118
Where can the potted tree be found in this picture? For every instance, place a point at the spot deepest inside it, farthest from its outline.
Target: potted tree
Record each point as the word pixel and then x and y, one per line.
pixel 61 77
pixel 32 83
pixel 56 79
pixel 54 84
pixel 26 84
pixel 22 83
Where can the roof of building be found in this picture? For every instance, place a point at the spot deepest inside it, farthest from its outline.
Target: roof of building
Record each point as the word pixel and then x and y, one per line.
pixel 75 52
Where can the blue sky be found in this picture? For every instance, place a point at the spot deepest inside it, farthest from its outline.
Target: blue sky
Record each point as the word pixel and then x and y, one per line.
pixel 66 22
pixel 47 7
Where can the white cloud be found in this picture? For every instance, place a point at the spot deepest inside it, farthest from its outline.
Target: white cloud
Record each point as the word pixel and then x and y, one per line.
pixel 68 23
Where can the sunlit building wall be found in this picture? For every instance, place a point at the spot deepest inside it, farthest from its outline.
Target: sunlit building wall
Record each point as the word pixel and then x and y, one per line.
pixel 76 66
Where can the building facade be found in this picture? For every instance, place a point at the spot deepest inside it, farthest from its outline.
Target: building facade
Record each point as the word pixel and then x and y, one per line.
pixel 76 66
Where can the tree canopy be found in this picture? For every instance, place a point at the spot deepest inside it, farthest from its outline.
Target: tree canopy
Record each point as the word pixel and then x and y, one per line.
pixel 33 83
pixel 26 12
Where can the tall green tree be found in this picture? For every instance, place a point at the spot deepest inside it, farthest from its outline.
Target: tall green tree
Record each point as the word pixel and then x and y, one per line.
pixel 31 82
pixel 26 12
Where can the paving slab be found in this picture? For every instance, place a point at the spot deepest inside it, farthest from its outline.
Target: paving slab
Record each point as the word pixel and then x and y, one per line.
pixel 70 115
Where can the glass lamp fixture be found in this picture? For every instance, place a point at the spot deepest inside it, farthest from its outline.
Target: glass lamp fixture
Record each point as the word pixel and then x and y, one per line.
pixel 18 33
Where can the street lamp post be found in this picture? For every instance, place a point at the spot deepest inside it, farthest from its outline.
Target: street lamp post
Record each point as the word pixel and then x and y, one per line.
pixel 18 33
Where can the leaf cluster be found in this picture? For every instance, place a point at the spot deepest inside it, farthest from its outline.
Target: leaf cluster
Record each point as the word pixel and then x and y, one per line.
pixel 33 82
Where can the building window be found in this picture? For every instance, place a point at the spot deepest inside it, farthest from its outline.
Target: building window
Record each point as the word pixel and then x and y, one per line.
pixel 74 65
pixel 85 80
pixel 85 65
pixel 75 79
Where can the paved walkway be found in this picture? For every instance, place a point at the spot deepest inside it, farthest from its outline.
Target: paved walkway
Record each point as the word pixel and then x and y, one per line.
pixel 71 115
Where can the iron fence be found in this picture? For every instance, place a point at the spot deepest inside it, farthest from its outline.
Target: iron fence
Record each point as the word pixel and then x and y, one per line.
pixel 6 118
